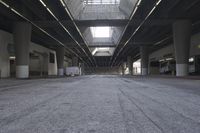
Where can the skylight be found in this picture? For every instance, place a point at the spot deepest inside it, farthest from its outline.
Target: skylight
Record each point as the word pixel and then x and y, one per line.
pixel 101 32
pixel 103 51
pixel 97 2
pixel 100 50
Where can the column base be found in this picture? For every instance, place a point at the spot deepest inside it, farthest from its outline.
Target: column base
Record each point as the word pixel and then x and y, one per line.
pixel 22 71
pixel 60 72
pixel 181 70
pixel 144 71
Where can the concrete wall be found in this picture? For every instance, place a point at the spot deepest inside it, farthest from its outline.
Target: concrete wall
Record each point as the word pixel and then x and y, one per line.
pixel 158 55
pixel 67 62
pixel 117 32
pixel 104 70
pixel 35 65
pixel 76 7
pixel 93 12
pixel 5 39
pixel 195 45
pixel 50 68
pixel 87 34
pixel 194 49
pixel 170 51
pixel 126 6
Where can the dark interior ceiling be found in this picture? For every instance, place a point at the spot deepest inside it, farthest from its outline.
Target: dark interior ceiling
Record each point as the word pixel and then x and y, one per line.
pixel 154 30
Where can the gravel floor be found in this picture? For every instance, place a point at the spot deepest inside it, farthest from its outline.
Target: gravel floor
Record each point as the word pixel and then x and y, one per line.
pixel 100 104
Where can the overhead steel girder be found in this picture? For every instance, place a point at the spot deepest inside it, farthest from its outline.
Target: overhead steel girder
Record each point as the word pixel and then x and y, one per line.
pixel 112 23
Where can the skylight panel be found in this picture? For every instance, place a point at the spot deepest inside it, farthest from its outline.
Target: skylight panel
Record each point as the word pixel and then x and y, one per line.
pixel 96 2
pixel 100 32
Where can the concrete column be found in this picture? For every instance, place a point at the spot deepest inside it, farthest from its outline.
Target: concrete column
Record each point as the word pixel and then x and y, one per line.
pixel 82 69
pixel 123 68
pixel 22 38
pixel 75 61
pixel 130 64
pixel 120 69
pixel 144 52
pixel 182 38
pixel 60 54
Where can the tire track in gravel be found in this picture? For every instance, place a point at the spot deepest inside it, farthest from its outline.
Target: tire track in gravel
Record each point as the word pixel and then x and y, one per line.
pixel 163 104
pixel 126 121
pixel 141 110
pixel 183 123
pixel 26 112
